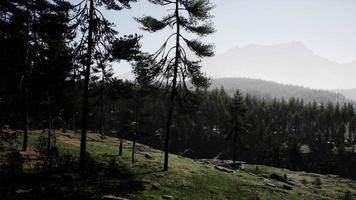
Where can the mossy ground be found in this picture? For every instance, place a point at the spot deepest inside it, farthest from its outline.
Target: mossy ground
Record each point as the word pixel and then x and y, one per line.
pixel 110 174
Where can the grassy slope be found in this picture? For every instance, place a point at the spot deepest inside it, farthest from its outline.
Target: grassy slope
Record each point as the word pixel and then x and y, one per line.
pixel 190 179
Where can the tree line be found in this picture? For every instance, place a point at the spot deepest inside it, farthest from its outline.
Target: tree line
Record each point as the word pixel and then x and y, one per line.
pixel 314 136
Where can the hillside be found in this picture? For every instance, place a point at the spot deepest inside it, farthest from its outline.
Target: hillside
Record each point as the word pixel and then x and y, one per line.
pixel 269 89
pixel 114 177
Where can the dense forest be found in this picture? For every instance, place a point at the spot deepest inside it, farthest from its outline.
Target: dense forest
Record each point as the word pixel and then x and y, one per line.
pixel 270 90
pixel 291 133
pixel 56 74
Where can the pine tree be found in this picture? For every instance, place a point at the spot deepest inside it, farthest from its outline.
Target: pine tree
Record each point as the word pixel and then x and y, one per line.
pixel 173 70
pixel 96 45
pixel 35 52
pixel 238 120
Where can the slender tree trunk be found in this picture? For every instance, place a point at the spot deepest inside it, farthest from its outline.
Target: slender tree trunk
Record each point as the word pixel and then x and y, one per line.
pixel 86 88
pixel 120 147
pixel 49 135
pixel 234 149
pixel 25 126
pixel 173 92
pixel 49 126
pixel 135 135
pixel 101 123
pixel 25 98
pixel 134 146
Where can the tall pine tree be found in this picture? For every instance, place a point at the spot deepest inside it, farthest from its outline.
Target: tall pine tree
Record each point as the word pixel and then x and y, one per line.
pixel 95 46
pixel 170 64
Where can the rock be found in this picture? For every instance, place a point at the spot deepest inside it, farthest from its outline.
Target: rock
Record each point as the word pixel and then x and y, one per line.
pixel 158 175
pixel 140 148
pixel 224 169
pixel 287 187
pixel 281 179
pixel 21 191
pixel 148 156
pixel 156 186
pixel 332 176
pixel 207 162
pixel 167 197
pixel 111 197
pixel 277 177
pixel 270 185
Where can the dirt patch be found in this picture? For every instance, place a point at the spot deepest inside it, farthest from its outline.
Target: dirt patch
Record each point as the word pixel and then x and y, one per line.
pixel 29 154
pixel 69 140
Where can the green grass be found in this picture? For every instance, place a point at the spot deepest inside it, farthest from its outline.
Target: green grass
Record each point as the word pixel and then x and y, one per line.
pixel 187 178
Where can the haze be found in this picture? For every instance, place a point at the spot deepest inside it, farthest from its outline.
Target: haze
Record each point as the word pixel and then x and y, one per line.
pixel 324 28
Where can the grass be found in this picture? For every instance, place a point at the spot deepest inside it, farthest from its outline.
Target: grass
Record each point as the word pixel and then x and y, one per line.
pixel 186 178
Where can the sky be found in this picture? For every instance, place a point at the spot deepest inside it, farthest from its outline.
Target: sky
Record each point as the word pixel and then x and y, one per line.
pixel 327 27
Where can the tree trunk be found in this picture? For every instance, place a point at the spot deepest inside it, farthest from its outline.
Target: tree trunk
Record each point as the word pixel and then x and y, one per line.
pixel 120 147
pixel 86 88
pixel 173 92
pixel 49 136
pixel 234 149
pixel 25 99
pixel 135 135
pixel 133 148
pixel 25 126
pixel 101 122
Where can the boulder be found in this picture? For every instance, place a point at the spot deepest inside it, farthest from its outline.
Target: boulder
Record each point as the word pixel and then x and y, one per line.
pixel 281 179
pixel 270 185
pixel 158 175
pixel 167 197
pixel 223 169
pixel 156 185
pixel 22 191
pixel 148 156
pixel 111 197
pixel 287 187
pixel 277 177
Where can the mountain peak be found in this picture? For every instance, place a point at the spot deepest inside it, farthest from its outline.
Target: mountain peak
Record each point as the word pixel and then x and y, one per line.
pixel 290 63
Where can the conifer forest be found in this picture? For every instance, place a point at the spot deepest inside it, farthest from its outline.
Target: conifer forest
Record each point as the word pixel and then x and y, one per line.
pixel 73 126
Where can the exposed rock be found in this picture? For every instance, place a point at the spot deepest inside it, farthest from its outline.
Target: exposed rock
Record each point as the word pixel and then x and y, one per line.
pixel 224 169
pixel 287 187
pixel 167 197
pixel 333 176
pixel 281 179
pixel 111 197
pixel 148 156
pixel 140 148
pixel 22 191
pixel 270 185
pixel 158 175
pixel 277 177
pixel 207 162
pixel 156 186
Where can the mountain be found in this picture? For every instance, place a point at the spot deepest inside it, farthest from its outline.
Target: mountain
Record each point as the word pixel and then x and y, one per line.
pixel 290 63
pixel 269 89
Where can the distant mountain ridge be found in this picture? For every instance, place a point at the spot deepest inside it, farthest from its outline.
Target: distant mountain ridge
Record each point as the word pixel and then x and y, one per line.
pixel 348 93
pixel 270 90
pixel 291 63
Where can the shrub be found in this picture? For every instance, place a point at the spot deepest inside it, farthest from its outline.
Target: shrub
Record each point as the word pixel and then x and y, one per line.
pixel 13 164
pixel 348 195
pixel 46 146
pixel 257 170
pixel 318 182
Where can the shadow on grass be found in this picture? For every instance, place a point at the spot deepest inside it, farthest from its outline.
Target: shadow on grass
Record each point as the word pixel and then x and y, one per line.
pixel 66 181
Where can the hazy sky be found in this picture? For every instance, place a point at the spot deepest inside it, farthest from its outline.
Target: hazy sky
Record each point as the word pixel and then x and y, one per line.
pixel 328 27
